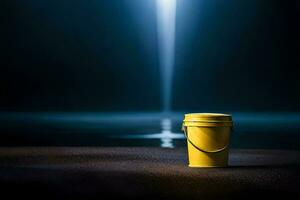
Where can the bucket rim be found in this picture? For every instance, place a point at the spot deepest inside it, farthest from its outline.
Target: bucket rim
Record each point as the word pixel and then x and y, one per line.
pixel 207 115
pixel 207 124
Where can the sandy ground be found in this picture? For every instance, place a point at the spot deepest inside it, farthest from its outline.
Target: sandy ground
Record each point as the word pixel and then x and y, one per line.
pixel 144 172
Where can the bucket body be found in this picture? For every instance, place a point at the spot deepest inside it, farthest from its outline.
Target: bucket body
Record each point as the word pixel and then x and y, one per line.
pixel 208 136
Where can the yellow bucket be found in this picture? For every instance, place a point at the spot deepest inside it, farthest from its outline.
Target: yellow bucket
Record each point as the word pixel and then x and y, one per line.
pixel 208 136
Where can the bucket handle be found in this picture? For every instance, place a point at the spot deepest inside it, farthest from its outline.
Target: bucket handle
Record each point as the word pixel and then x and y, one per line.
pixel 198 148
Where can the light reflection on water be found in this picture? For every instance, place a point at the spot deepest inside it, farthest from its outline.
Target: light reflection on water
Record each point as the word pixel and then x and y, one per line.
pixel 166 136
pixel 252 130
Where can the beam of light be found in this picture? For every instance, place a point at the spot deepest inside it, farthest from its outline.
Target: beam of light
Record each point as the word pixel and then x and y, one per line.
pixel 166 18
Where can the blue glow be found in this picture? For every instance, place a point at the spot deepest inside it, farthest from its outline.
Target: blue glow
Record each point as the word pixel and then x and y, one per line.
pixel 146 127
pixel 166 19
pixel 166 136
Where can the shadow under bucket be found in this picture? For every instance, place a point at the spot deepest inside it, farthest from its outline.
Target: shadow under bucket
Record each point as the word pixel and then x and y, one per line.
pixel 208 137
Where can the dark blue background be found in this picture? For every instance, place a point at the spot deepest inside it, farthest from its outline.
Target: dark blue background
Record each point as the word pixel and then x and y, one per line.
pixel 75 55
pixel 100 58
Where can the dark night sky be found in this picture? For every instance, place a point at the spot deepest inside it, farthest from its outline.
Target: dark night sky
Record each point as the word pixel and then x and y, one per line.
pixel 98 55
